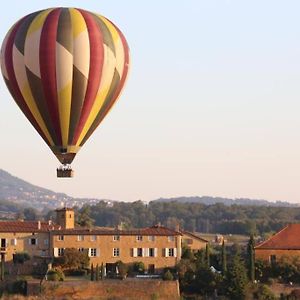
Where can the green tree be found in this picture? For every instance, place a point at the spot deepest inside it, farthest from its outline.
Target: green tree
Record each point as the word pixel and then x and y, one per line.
pixel 236 279
pixel 224 258
pixel 97 272
pixel 251 258
pixel 92 273
pixel 102 271
pixel 73 259
pixel 84 219
pixel 207 255
pixel 30 214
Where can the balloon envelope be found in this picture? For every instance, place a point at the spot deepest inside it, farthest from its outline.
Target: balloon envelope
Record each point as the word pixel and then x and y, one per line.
pixel 65 68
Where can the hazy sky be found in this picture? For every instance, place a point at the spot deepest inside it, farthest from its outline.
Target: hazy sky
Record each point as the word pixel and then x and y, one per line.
pixel 211 106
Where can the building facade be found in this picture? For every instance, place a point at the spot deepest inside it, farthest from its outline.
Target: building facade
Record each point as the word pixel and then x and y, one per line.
pixel 157 247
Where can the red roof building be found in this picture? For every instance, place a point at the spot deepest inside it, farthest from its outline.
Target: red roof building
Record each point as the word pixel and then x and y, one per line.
pixel 286 242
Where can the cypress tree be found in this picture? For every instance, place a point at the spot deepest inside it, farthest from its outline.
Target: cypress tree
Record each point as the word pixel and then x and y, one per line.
pixel 97 272
pixel 251 258
pixel 2 266
pixel 207 255
pixel 102 271
pixel 236 279
pixel 224 259
pixel 92 273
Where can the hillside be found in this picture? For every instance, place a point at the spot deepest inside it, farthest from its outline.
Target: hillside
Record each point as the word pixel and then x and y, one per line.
pixel 207 200
pixel 18 192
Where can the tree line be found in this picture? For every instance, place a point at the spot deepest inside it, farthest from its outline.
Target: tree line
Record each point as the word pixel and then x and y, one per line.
pixel 215 218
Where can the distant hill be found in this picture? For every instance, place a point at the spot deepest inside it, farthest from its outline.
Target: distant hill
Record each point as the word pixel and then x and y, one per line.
pixel 16 194
pixel 207 200
pixel 16 191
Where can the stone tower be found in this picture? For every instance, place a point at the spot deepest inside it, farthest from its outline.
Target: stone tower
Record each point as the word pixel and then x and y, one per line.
pixel 65 218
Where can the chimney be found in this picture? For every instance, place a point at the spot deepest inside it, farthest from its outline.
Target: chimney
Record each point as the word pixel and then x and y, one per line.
pixel 39 225
pixel 49 222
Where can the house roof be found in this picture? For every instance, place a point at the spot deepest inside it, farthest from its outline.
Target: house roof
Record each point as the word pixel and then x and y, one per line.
pixel 194 236
pixel 154 230
pixel 285 239
pixel 26 226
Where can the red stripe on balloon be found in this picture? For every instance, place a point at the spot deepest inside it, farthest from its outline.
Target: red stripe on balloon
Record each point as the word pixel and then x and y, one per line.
pixel 48 68
pixel 12 83
pixel 120 85
pixel 95 71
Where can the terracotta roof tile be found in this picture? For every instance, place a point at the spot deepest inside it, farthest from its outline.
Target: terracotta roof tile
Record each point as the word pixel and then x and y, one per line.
pixel 26 226
pixel 154 230
pixel 287 238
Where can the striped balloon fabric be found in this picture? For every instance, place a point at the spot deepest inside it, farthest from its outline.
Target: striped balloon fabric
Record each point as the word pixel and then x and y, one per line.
pixel 65 68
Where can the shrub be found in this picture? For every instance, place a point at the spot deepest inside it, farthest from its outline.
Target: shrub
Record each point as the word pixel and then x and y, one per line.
pixel 18 287
pixel 168 275
pixel 55 275
pixel 20 257
pixel 139 267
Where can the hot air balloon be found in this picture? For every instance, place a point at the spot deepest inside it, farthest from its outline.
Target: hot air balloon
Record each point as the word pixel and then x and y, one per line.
pixel 65 68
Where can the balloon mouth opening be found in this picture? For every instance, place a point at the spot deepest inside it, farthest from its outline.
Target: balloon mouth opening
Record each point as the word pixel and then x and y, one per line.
pixel 65 154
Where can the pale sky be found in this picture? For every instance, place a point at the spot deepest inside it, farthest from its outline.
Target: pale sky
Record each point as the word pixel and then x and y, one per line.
pixel 211 106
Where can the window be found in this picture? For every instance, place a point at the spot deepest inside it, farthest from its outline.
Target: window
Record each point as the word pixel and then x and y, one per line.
pixel 140 252
pixel 93 238
pixel 171 238
pixel 43 253
pixel 13 242
pixel 151 252
pixel 151 238
pixel 61 251
pixel 33 241
pixel 46 242
pixel 116 252
pixel 93 252
pixel 139 238
pixel 80 238
pixel 60 238
pixel 171 252
pixel 116 238
pixel 81 249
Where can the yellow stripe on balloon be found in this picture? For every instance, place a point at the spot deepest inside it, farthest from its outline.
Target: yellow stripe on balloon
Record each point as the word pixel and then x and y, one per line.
pixel 27 95
pixel 64 108
pixel 119 48
pixel 38 21
pixel 106 80
pixel 78 22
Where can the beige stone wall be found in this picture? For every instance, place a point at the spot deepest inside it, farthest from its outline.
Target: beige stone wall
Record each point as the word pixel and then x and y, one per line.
pixel 65 218
pixel 265 254
pixel 193 243
pixel 22 244
pixel 105 244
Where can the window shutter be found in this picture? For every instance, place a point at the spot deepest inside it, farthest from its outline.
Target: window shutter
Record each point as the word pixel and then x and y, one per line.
pixel 29 241
pixel 89 253
pixel 143 252
pixel 166 252
pixel 98 252
pixel 175 252
pixel 155 252
pixel 134 252
pixel 55 252
pixel 146 252
pixel 36 241
pixel 6 242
